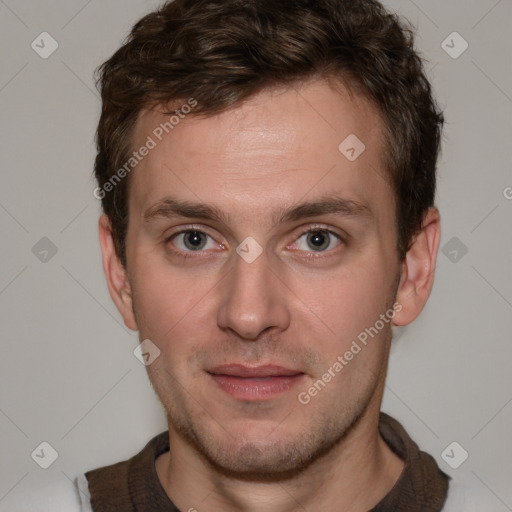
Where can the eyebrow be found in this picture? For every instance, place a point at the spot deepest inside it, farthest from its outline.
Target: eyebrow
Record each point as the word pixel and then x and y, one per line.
pixel 170 208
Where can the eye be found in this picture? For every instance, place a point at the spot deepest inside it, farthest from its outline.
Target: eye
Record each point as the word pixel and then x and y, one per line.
pixel 193 240
pixel 318 240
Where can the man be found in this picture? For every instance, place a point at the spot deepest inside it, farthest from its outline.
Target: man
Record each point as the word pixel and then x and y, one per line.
pixel 267 175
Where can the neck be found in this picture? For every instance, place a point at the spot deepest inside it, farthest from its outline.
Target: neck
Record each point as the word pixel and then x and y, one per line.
pixel 355 475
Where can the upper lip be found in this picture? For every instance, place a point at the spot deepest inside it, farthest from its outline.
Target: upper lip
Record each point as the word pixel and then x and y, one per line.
pixel 240 370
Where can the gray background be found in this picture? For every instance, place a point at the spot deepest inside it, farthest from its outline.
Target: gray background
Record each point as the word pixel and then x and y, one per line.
pixel 67 372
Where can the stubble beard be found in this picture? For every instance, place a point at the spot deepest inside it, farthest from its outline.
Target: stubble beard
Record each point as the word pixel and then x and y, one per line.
pixel 274 458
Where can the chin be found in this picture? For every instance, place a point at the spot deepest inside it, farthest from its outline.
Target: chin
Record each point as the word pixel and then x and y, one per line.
pixel 260 461
pixel 272 453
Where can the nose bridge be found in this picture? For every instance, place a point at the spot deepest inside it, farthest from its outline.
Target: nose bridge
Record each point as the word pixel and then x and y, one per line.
pixel 252 300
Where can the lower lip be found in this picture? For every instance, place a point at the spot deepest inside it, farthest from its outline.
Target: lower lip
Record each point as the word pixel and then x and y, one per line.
pixel 254 389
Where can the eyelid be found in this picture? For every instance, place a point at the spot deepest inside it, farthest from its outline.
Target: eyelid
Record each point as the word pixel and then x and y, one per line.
pixel 185 229
pixel 313 228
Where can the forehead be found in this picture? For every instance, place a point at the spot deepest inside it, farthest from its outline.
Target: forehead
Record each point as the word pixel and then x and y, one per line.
pixel 279 146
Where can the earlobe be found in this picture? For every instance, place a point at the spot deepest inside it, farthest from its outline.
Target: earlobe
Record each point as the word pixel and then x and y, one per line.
pixel 115 274
pixel 417 275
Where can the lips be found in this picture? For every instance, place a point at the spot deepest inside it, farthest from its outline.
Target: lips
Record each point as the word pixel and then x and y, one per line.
pixel 255 383
pixel 239 370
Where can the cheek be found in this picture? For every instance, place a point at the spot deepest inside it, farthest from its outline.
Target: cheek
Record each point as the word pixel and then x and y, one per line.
pixel 167 302
pixel 349 301
pixel 356 342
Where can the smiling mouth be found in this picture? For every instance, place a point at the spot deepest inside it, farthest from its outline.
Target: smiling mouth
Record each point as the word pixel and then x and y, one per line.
pixel 255 383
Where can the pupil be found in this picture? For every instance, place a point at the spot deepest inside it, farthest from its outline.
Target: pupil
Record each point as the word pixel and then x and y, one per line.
pixel 318 240
pixel 194 240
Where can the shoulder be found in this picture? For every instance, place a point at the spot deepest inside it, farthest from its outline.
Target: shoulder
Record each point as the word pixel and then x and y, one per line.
pixel 118 486
pixel 53 493
pixel 466 497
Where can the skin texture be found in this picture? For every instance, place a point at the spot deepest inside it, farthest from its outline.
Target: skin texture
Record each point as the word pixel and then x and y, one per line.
pixel 293 306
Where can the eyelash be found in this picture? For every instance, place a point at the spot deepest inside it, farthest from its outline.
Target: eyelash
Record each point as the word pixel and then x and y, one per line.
pixel 310 254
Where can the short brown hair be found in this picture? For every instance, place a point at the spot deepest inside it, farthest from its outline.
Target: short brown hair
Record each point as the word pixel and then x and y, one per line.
pixel 220 52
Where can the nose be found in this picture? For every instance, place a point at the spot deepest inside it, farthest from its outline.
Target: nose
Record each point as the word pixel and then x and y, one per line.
pixel 253 299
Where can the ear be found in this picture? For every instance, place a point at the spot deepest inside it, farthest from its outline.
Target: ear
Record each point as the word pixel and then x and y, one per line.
pixel 115 273
pixel 417 274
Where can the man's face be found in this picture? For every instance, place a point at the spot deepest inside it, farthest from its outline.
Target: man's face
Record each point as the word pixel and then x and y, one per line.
pixel 244 335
